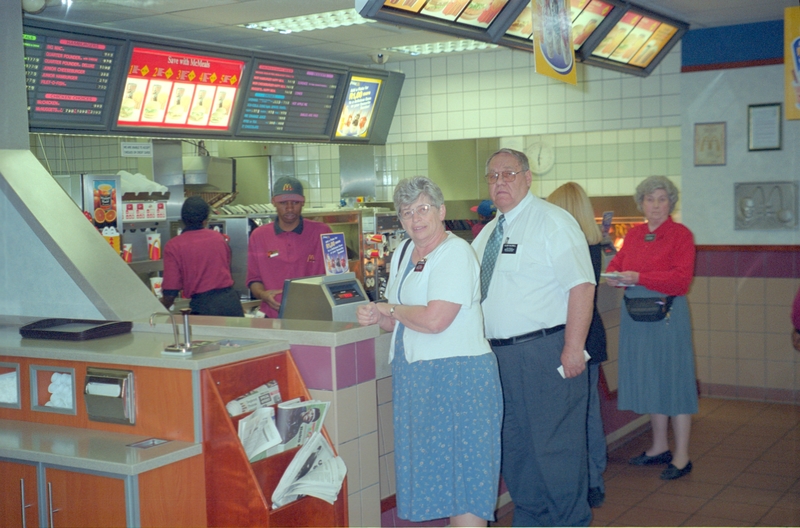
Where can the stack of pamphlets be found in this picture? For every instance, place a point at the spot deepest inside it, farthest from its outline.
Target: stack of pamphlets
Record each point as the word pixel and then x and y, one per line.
pixel 315 470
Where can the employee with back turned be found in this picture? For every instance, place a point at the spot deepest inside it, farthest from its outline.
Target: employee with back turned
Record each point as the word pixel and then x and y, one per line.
pixel 288 248
pixel 537 291
pixel 198 262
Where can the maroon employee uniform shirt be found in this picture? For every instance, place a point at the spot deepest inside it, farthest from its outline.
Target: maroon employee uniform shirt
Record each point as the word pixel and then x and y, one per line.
pixel 197 261
pixel 274 255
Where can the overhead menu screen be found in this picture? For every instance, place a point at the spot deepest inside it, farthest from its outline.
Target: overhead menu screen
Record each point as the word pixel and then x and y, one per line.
pixel 166 89
pixel 356 116
pixel 286 100
pixel 67 79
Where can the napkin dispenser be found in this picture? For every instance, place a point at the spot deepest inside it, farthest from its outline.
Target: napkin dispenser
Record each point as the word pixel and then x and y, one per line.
pixel 109 395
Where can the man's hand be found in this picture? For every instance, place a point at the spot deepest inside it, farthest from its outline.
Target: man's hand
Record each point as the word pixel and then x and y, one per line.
pixel 269 297
pixel 573 362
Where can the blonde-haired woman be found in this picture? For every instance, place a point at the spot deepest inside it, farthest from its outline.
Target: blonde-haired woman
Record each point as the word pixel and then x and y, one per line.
pixel 574 200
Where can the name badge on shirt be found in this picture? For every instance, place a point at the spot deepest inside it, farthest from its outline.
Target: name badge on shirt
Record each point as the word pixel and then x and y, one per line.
pixel 510 249
pixel 420 265
pixel 649 237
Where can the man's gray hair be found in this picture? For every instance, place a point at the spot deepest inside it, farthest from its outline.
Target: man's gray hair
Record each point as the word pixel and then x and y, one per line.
pixel 519 156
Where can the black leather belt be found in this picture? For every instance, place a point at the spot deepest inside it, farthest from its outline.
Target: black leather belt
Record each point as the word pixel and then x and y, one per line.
pixel 526 337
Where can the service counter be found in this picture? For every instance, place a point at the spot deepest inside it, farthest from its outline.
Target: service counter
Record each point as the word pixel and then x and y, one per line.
pixel 181 400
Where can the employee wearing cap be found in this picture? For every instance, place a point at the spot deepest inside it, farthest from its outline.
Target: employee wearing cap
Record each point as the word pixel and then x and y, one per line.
pixel 288 248
pixel 198 262
pixel 486 211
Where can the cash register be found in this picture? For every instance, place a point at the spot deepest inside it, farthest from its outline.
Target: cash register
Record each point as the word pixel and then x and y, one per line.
pixel 323 298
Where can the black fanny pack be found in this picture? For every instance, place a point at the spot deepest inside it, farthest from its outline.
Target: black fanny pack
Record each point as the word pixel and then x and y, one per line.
pixel 649 309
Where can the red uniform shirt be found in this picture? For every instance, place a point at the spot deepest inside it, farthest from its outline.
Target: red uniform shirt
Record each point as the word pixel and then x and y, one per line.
pixel 197 261
pixel 274 255
pixel 663 258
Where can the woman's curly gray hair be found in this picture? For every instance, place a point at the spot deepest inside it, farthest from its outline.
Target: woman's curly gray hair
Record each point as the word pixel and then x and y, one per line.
pixel 409 189
pixel 651 185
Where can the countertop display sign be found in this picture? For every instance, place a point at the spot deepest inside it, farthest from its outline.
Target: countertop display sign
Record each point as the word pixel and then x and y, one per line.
pixel 67 78
pixel 355 118
pixel 166 89
pixel 295 101
pixel 335 252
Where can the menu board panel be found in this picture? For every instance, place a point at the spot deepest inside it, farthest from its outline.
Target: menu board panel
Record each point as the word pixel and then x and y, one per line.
pixel 359 105
pixel 617 34
pixel 286 100
pixel 68 78
pixel 523 26
pixel 481 13
pixel 657 41
pixel 168 89
pixel 586 20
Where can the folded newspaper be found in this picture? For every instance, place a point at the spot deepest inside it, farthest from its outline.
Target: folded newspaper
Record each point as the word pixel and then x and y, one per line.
pixel 258 433
pixel 296 421
pixel 315 470
pixel 267 431
pixel 262 396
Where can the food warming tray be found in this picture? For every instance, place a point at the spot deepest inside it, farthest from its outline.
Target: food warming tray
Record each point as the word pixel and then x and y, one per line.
pixel 74 329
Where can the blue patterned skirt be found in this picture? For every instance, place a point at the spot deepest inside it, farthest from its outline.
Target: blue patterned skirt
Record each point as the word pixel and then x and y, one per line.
pixel 447 418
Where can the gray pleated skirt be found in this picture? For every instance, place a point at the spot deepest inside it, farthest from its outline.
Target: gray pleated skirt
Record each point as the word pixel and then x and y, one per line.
pixel 656 361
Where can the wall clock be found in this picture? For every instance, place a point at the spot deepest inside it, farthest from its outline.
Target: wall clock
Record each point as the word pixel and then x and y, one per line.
pixel 541 157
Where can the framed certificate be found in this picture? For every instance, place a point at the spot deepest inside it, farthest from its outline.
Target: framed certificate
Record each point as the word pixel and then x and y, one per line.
pixel 709 144
pixel 764 127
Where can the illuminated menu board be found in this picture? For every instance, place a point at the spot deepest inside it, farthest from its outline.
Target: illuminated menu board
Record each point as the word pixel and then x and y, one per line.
pixel 286 100
pixel 478 13
pixel 67 78
pixel 167 89
pixel 635 40
pixel 586 16
pixel 359 104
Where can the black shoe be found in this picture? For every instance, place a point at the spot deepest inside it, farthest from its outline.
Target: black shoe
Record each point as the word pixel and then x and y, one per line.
pixel 644 460
pixel 672 473
pixel 596 497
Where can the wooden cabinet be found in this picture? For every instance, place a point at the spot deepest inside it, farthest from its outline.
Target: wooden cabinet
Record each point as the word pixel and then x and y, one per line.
pixel 79 499
pixel 19 504
pixel 240 493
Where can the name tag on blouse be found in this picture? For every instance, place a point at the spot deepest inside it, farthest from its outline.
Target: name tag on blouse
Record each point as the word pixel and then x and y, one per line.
pixel 649 237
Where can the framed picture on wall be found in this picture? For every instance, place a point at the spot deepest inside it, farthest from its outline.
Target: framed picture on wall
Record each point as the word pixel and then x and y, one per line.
pixel 709 144
pixel 764 127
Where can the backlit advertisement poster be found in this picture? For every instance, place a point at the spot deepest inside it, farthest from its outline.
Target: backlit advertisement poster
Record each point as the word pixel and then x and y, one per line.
pixel 359 105
pixel 554 55
pixel 166 89
pixel 587 19
pixel 791 30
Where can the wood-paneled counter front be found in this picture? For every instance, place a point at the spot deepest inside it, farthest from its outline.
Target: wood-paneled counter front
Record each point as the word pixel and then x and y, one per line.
pixel 65 469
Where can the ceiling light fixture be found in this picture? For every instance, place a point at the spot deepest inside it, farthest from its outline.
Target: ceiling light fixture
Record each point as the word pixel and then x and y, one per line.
pixel 444 47
pixel 331 19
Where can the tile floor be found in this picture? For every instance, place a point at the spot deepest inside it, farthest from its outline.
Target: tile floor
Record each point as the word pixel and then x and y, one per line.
pixel 746 472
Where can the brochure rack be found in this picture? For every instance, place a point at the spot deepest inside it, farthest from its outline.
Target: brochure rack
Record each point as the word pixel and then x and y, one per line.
pixel 240 493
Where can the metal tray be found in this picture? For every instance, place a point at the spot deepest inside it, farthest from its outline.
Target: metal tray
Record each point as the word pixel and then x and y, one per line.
pixel 74 329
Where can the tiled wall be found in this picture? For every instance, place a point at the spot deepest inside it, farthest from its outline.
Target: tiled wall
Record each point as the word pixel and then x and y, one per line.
pixel 741 303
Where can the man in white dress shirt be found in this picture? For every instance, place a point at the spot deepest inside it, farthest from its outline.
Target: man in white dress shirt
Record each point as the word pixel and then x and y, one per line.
pixel 537 310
